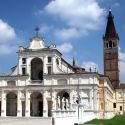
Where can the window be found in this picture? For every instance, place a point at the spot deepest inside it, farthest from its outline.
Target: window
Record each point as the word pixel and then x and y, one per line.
pixel 114 105
pixel 120 108
pixel 107 45
pixel 23 71
pixel 49 59
pixel 113 44
pixel 23 60
pixel 49 70
pixel 57 61
pixel 110 44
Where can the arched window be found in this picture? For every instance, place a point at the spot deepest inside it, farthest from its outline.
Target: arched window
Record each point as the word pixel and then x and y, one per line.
pixel 113 44
pixel 11 83
pixel 36 69
pixel 107 45
pixel 62 82
pixel 110 44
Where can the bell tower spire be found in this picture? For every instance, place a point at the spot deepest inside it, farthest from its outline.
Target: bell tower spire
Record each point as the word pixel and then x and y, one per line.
pixel 110 28
pixel 111 54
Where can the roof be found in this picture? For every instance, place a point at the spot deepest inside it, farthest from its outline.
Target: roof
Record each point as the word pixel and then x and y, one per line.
pixel 67 63
pixel 121 86
pixel 40 50
pixel 110 28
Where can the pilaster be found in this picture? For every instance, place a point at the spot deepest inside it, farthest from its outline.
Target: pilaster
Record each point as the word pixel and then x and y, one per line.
pixel 54 64
pixel 91 99
pixel 45 65
pixel 19 105
pixel 45 105
pixel 3 104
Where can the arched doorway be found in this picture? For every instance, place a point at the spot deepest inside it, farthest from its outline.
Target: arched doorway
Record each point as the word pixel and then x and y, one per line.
pixel 36 69
pixel 36 105
pixel 11 104
pixel 63 100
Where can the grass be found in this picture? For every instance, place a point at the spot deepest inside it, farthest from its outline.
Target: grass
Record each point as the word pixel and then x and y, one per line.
pixel 117 120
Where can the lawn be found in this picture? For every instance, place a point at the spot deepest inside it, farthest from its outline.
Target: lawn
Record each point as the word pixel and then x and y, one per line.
pixel 117 120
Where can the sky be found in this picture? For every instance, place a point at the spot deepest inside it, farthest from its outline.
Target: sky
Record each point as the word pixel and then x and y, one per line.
pixel 75 26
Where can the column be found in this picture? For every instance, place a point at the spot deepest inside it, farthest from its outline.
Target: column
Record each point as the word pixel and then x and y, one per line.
pixel 54 64
pixel 19 65
pixel 27 105
pixel 91 99
pixel 95 100
pixel 45 105
pixel 19 105
pixel 45 65
pixel 54 105
pixel 29 66
pixel 71 99
pixel 3 104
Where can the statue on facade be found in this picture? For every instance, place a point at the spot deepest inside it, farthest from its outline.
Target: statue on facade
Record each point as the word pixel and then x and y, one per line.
pixel 58 102
pixel 67 104
pixel 63 103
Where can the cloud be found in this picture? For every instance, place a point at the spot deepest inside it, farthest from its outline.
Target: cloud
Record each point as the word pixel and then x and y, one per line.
pixel 90 64
pixel 116 4
pixel 44 29
pixel 7 49
pixel 7 38
pixel 7 33
pixel 65 47
pixel 66 34
pixel 78 15
pixel 122 56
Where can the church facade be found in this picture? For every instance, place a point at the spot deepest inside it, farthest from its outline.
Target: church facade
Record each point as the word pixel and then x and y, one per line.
pixel 44 84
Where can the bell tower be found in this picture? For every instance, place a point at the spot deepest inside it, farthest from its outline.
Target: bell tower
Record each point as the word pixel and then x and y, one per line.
pixel 111 51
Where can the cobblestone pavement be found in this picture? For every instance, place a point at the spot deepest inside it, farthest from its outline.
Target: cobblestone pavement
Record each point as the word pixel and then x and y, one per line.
pixel 25 121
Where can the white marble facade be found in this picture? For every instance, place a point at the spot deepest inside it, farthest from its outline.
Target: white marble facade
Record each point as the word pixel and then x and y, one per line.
pixel 44 84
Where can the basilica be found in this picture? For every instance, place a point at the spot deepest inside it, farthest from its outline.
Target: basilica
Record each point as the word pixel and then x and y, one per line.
pixel 43 84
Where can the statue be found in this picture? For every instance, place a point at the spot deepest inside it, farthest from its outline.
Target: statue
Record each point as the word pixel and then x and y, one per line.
pixel 63 103
pixel 67 104
pixel 58 102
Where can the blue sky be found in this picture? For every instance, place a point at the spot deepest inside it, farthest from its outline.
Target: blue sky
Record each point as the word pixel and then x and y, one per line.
pixel 75 26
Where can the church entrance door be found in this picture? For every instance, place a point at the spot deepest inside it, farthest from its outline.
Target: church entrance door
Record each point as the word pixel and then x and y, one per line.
pixel 36 106
pixel 11 104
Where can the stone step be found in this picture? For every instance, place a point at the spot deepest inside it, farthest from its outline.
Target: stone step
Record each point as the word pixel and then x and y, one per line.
pixel 25 121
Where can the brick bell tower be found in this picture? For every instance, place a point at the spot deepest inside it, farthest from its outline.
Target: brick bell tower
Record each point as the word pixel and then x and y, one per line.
pixel 111 51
